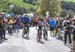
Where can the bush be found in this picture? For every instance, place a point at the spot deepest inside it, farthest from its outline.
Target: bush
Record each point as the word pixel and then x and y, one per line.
pixel 18 10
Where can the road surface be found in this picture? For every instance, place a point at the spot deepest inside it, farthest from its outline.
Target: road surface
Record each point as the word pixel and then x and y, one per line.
pixel 15 43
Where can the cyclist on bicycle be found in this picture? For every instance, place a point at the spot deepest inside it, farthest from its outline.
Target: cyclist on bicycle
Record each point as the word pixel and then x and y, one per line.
pixel 26 22
pixel 45 33
pixel 39 34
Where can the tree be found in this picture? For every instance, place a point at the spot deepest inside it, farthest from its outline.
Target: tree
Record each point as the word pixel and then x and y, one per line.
pixel 28 1
pixel 53 6
pixel 63 13
pixel 68 5
pixel 35 2
pixel 18 10
pixel 4 5
pixel 24 0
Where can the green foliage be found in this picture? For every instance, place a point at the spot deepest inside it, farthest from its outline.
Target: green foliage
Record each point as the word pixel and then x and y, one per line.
pixel 69 0
pixel 54 7
pixel 63 13
pixel 18 10
pixel 22 4
pixel 68 6
pixel 67 12
pixel 3 5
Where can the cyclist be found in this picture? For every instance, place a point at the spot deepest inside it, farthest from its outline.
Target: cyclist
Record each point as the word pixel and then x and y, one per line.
pixel 26 22
pixel 39 34
pixel 45 33
pixel 67 31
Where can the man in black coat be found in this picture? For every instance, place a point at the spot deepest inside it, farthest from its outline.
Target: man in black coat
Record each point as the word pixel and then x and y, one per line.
pixel 2 31
pixel 67 32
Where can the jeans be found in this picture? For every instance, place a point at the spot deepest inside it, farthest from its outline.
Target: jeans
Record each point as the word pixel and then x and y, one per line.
pixel 15 27
pixel 74 35
pixel 10 29
pixel 2 34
